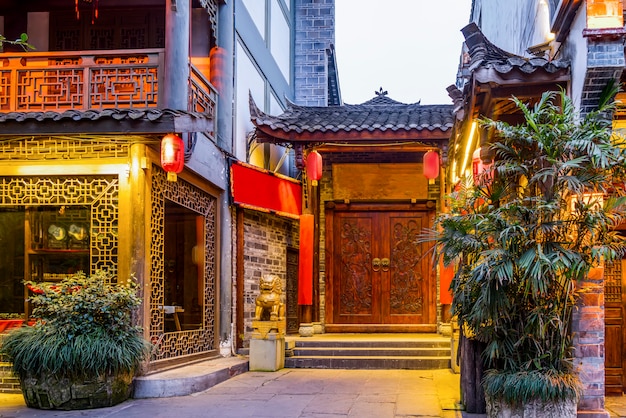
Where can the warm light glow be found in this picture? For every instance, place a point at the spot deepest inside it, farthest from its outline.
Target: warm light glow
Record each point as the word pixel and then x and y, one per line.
pixel 603 14
pixel 596 200
pixel 469 145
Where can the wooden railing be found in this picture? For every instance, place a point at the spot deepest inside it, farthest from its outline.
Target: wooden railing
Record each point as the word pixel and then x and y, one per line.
pixel 121 79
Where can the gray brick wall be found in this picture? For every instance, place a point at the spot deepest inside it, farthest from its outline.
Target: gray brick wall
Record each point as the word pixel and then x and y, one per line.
pixel 315 31
pixel 605 62
pixel 265 252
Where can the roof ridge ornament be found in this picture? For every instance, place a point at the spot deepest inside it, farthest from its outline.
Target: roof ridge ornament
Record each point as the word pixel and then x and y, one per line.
pixel 381 92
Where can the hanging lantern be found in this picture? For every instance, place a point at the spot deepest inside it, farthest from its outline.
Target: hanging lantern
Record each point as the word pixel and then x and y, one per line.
pixel 431 165
pixel 314 167
pixel 172 155
pixel 217 60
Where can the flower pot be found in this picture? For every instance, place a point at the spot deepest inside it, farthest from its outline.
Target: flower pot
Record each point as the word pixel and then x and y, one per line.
pixel 536 408
pixel 58 391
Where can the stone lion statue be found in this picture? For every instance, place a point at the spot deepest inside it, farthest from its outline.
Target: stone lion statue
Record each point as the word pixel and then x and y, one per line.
pixel 269 304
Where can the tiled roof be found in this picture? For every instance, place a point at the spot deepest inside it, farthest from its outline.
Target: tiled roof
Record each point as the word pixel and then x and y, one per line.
pixel 378 114
pixel 150 120
pixel 484 54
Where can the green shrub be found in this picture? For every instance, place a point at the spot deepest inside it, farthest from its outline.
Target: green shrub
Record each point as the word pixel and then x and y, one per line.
pixel 521 388
pixel 524 238
pixel 84 327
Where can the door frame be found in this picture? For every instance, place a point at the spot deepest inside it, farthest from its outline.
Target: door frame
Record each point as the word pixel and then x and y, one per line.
pixel 374 206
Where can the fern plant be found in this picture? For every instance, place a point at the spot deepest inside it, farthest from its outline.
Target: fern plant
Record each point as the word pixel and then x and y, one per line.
pixel 524 240
pixel 83 328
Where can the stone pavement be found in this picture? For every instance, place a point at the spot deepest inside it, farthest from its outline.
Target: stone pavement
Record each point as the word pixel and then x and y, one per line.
pixel 302 393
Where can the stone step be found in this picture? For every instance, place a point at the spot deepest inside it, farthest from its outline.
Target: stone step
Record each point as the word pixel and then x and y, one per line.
pixel 360 362
pixel 369 351
pixel 419 343
pixel 372 351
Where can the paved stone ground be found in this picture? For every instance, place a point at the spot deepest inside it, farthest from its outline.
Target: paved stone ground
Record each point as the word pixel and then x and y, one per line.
pixel 298 393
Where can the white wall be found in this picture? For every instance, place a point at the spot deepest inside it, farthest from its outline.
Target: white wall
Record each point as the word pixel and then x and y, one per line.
pixel 513 25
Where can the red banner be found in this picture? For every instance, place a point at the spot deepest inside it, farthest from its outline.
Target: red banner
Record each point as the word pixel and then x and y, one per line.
pixel 305 268
pixel 445 279
pixel 263 190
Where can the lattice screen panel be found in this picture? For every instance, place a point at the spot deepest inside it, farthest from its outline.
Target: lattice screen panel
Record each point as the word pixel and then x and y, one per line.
pixel 613 282
pixel 100 193
pixel 60 149
pixel 181 343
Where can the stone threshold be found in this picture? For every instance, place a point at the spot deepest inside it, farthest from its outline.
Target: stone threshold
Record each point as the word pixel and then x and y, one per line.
pixel 185 380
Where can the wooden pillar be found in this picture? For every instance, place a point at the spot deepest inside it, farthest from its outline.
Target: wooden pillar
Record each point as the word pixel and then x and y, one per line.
pixel 239 322
pixel 315 198
pixel 306 311
pixel 472 393
pixel 176 78
pixel 134 227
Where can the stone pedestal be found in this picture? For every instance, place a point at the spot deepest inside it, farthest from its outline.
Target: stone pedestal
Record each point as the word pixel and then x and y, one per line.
pixel 318 328
pixel 306 329
pixel 267 346
pixel 455 336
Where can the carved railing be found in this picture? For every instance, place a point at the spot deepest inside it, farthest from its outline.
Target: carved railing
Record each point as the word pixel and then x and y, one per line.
pixel 121 79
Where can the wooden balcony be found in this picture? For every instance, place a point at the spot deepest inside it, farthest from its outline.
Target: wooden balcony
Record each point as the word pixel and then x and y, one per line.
pixel 93 80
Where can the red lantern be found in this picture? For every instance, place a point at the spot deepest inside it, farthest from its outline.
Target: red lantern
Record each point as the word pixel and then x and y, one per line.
pixel 431 165
pixel 172 155
pixel 217 59
pixel 314 167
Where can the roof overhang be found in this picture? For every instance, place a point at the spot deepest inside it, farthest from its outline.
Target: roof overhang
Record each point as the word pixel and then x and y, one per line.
pixel 110 121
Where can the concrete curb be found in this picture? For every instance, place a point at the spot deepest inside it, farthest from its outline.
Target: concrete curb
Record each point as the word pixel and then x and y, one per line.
pixel 190 379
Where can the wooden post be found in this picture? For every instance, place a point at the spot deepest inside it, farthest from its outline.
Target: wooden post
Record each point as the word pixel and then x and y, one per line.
pixel 176 78
pixel 239 322
pixel 472 393
pixel 315 193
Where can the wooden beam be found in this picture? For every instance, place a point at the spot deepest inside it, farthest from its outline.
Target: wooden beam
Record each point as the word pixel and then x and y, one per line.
pixel 267 134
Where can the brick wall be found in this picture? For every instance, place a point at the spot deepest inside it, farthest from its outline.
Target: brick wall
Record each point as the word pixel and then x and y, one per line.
pixel 315 32
pixel 8 382
pixel 265 252
pixel 605 62
pixel 588 339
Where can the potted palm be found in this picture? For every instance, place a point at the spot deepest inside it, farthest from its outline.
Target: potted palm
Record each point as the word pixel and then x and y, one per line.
pixel 522 239
pixel 83 349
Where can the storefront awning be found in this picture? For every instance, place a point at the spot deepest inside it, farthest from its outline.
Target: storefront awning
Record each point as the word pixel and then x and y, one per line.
pixel 254 188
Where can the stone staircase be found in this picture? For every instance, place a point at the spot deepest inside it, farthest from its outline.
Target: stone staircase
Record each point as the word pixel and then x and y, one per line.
pixel 369 351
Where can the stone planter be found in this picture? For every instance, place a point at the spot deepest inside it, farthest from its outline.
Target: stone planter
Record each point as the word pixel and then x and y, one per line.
pixel 534 409
pixel 46 391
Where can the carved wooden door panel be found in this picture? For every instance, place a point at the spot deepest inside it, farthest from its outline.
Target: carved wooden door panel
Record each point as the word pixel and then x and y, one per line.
pixel 615 359
pixel 356 287
pixel 381 272
pixel 406 295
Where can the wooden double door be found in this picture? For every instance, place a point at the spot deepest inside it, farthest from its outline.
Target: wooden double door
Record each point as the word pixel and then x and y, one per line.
pixel 381 276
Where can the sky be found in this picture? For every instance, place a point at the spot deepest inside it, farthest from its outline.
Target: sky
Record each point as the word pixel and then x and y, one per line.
pixel 410 48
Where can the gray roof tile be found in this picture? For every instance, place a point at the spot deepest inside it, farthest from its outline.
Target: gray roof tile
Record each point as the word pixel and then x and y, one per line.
pixel 380 113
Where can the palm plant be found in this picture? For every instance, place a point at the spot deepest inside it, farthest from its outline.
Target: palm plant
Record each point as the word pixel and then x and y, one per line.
pixel 524 240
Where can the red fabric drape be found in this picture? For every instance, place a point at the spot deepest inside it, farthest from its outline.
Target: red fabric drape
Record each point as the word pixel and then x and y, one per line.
pixel 445 275
pixel 305 269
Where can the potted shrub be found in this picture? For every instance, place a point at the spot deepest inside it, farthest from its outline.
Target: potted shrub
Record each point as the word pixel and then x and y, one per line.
pixel 83 349
pixel 522 238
